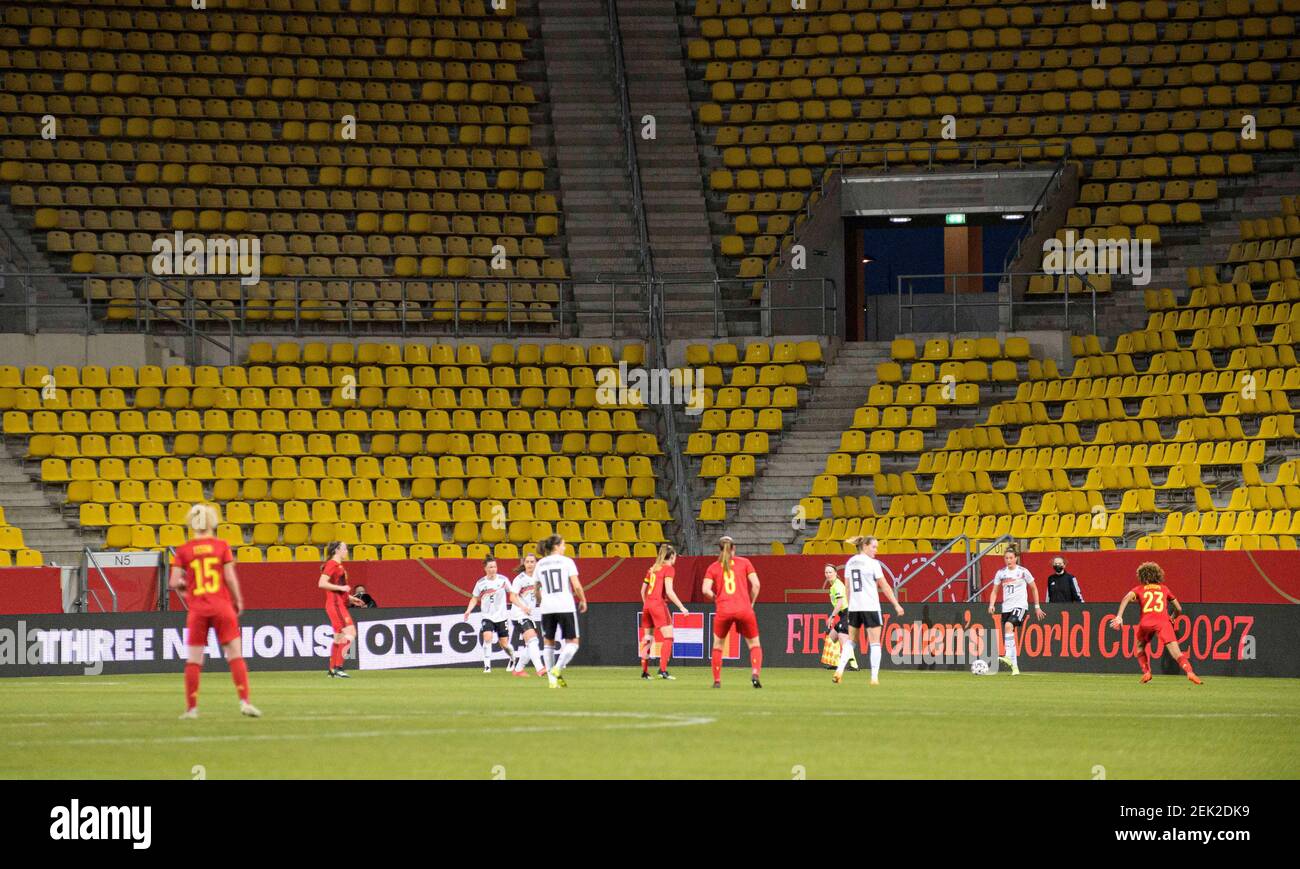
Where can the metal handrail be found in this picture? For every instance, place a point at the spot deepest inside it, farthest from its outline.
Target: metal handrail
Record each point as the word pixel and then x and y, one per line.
pixel 973 150
pixel 247 317
pixel 165 591
pixel 91 562
pixel 972 566
pixel 189 302
pixel 10 254
pixel 685 501
pixel 646 255
pixel 974 300
pixel 932 559
pixel 1034 215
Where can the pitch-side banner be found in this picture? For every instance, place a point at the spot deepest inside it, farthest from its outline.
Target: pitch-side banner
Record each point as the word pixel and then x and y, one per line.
pixel 1222 640
pixel 422 641
pixel 1237 640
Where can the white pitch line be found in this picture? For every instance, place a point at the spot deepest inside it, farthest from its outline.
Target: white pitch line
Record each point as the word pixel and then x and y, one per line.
pixel 936 713
pixel 33 683
pixel 655 722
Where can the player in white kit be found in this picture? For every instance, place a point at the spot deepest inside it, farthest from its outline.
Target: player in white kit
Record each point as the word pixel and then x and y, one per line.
pixel 865 578
pixel 525 614
pixel 557 583
pixel 1013 580
pixel 492 593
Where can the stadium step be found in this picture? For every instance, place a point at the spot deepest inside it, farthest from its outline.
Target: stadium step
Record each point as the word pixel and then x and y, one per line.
pixel 671 174
pixel 45 288
pixel 28 507
pixel 766 513
pixel 1257 195
pixel 595 190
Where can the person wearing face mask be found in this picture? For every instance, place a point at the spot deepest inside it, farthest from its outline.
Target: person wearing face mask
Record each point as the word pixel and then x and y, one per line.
pixel 1062 587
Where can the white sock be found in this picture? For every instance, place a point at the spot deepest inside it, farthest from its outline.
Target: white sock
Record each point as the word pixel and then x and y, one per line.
pixel 535 654
pixel 548 653
pixel 875 659
pixel 846 652
pixel 570 649
pixel 510 654
pixel 487 654
pixel 1011 645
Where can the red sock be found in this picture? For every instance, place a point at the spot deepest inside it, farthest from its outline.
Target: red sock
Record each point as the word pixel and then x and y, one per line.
pixel 756 659
pixel 1144 660
pixel 343 650
pixel 1185 663
pixel 645 659
pixel 336 656
pixel 665 652
pixel 192 685
pixel 717 665
pixel 239 673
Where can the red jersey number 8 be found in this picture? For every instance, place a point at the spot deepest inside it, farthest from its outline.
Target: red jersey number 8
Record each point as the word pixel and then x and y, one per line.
pixel 729 581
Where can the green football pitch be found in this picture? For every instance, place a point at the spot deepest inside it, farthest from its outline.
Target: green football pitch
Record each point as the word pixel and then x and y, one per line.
pixel 609 723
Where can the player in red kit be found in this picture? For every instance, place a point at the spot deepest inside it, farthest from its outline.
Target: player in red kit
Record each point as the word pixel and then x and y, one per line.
pixel 657 586
pixel 732 582
pixel 1156 600
pixel 204 569
pixel 338 595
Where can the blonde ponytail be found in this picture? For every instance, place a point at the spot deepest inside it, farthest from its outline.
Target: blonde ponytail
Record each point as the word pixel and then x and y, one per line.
pixel 728 551
pixel 203 519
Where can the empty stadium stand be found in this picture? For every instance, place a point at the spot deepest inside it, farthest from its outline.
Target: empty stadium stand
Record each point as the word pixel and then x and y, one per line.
pixel 382 153
pixel 1149 97
pixel 551 188
pixel 1177 438
pixel 404 451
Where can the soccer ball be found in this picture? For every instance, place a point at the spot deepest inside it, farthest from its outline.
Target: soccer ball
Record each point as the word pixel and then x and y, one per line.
pixel 980 667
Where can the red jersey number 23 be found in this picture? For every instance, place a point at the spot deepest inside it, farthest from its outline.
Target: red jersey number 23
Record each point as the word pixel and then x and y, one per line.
pixel 1153 601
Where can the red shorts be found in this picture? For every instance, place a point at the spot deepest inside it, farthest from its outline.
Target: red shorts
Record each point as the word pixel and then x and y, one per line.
pixel 219 615
pixel 337 609
pixel 1164 630
pixel 655 615
pixel 745 622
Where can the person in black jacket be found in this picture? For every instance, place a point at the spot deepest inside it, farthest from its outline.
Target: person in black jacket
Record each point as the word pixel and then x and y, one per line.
pixel 364 596
pixel 1062 587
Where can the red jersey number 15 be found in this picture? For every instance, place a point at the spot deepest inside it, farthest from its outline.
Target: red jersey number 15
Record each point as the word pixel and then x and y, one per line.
pixel 207 575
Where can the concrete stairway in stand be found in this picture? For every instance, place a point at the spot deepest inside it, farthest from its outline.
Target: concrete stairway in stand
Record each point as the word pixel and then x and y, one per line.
pixel 671 176
pixel 766 513
pixel 20 252
pixel 590 155
pixel 28 508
